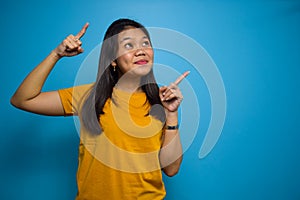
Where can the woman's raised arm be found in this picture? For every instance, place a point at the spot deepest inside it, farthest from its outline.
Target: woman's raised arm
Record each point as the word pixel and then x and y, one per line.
pixel 171 152
pixel 29 97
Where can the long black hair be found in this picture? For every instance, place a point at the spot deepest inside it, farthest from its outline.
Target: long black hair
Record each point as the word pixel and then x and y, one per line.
pixel 107 77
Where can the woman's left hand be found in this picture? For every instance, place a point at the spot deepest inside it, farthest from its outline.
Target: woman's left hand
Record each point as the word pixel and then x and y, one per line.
pixel 171 96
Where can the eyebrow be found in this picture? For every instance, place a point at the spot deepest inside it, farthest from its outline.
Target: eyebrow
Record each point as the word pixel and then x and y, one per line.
pixel 126 38
pixel 129 38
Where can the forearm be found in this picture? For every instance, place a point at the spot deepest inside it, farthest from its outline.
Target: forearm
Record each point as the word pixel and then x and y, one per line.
pixel 171 152
pixel 33 83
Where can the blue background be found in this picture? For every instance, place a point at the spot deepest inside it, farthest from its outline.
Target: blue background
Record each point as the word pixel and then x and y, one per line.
pixel 255 45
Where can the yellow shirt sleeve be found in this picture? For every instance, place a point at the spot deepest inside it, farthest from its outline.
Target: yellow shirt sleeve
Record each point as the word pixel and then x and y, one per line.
pixel 72 98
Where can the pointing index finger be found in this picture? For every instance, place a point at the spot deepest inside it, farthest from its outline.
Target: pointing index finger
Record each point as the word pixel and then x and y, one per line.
pixel 82 31
pixel 181 77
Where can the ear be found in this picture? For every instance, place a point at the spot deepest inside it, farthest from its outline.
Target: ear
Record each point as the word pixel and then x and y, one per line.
pixel 114 63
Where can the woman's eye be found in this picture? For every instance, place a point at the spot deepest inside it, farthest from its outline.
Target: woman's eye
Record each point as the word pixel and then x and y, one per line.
pixel 128 46
pixel 146 44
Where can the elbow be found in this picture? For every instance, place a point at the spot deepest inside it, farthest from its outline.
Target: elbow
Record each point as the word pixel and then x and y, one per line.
pixel 170 172
pixel 173 168
pixel 14 102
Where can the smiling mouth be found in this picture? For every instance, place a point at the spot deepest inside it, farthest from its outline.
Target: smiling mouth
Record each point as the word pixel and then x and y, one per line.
pixel 141 62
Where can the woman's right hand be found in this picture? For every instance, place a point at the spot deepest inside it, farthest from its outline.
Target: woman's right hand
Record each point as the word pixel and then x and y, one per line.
pixel 71 46
pixel 29 96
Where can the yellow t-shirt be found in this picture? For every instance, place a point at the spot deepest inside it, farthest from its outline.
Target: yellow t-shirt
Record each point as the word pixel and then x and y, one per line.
pixel 122 162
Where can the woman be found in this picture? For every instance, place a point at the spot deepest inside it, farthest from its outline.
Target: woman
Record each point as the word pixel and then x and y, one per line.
pixel 125 139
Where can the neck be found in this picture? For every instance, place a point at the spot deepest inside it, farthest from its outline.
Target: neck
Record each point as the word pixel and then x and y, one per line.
pixel 129 84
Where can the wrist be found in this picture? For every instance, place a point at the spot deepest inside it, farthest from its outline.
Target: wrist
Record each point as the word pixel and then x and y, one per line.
pixel 55 55
pixel 171 118
pixel 170 112
pixel 175 127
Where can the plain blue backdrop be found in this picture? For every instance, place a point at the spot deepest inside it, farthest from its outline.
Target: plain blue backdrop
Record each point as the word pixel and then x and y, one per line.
pixel 256 46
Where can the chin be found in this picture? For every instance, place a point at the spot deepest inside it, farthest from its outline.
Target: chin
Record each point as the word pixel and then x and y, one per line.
pixel 141 70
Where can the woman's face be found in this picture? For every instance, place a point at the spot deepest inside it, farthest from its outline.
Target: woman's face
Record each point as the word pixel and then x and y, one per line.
pixel 135 54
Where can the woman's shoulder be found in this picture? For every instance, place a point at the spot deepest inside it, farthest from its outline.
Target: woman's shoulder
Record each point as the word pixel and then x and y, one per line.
pixel 83 88
pixel 76 92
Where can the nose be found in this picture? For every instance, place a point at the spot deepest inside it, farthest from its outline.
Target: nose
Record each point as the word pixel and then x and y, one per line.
pixel 140 52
